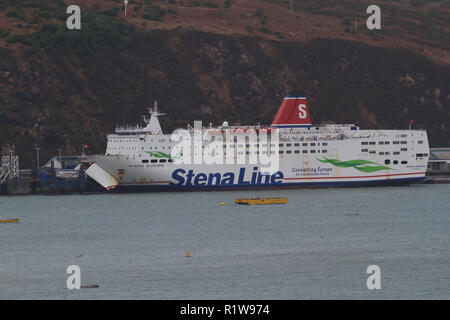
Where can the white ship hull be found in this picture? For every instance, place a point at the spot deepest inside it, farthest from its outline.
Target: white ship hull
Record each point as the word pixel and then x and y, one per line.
pixel 343 164
pixel 142 159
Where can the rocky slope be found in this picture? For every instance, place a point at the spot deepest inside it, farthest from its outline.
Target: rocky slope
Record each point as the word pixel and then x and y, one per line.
pixel 61 89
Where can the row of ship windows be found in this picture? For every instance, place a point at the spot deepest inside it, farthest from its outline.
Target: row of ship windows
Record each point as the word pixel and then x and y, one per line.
pixel 263 152
pixel 282 152
pixel 387 161
pixel 155 160
pixel 122 148
pixel 312 144
pixel 365 143
pixel 395 153
pixel 384 153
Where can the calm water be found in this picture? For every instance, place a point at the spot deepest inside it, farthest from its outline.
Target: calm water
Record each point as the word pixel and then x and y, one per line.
pixel 318 246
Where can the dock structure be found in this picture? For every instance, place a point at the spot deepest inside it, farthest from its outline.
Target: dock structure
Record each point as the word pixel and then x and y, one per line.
pixel 9 168
pixel 60 175
pixel 3 179
pixel 438 169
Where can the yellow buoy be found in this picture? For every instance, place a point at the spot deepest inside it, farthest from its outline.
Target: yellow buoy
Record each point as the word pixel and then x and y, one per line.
pixel 9 220
pixel 261 200
pixel 188 253
pixel 223 203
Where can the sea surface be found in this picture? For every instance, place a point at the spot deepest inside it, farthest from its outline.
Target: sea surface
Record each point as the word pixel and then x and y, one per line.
pixel 318 246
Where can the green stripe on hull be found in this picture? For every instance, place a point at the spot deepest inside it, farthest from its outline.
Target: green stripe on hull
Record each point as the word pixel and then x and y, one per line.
pixel 360 165
pixel 159 154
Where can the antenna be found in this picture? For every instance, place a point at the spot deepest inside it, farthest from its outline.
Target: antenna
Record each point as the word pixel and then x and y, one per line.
pixel 125 2
pixel 154 111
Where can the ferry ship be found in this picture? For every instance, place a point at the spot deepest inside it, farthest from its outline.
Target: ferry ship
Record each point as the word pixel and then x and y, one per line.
pixel 143 158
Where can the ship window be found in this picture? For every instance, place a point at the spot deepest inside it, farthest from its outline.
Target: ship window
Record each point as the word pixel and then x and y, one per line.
pixel 162 160
pixel 372 142
pixel 304 144
pixel 364 150
pixel 420 142
pixel 425 154
pixel 372 151
pixel 153 161
pixel 387 153
pixel 395 161
pixel 381 153
pixel 386 142
pixel 324 144
pixel 381 142
pixel 304 151
pixel 404 149
pixel 170 160
pixel 312 144
pixel 281 151
pixel 296 151
pixel 288 144
pixel 403 142
pixel 144 161
pixel 289 151
pixel 280 145
pixel 296 144
pixel 312 151
pixel 396 142
pixel 387 161
pixel 404 162
pixel 364 143
pixel 396 153
pixel 420 155
pixel 324 151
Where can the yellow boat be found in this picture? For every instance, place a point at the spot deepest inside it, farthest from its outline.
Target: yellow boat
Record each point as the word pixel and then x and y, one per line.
pixel 261 200
pixel 9 220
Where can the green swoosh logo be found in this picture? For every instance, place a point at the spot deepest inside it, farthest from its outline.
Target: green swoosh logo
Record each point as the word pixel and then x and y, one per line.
pixel 361 165
pixel 159 154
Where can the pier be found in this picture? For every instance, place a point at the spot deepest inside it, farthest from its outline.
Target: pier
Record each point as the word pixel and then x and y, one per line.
pixel 60 175
pixel 438 169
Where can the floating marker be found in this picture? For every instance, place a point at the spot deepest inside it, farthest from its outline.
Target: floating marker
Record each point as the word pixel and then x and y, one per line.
pixel 188 253
pixel 223 203
pixel 9 220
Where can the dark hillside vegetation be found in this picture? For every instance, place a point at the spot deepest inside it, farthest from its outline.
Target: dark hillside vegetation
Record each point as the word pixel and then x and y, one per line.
pixel 62 89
